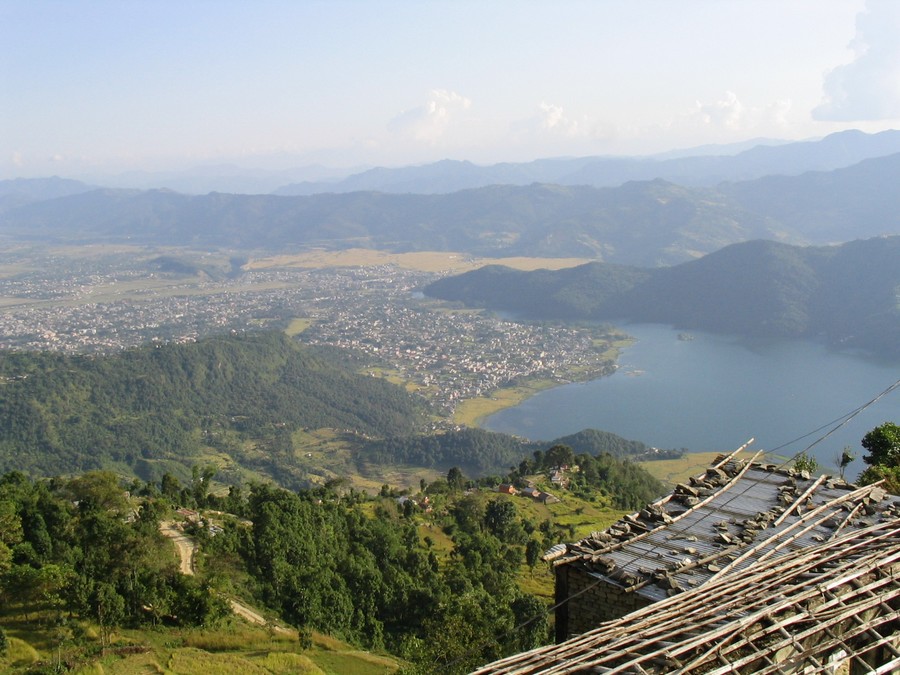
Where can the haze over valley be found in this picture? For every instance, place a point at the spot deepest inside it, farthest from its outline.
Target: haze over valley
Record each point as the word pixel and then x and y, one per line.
pixel 96 270
pixel 652 222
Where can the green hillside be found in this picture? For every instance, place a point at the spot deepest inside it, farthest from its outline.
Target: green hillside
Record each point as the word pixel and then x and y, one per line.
pixel 479 452
pixel 658 218
pixel 845 294
pixel 154 409
pixel 822 206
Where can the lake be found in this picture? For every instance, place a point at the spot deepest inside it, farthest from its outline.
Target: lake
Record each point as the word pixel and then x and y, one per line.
pixel 715 392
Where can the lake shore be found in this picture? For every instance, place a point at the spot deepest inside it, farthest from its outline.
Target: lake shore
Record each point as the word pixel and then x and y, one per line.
pixel 715 392
pixel 473 411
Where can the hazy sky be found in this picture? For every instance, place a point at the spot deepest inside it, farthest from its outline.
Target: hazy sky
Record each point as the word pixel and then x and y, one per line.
pixel 92 86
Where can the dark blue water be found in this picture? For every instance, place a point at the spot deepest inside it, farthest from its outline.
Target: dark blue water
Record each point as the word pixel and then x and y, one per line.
pixel 715 393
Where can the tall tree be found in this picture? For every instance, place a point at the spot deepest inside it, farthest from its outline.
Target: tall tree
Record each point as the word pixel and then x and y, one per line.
pixel 502 520
pixel 559 455
pixel 883 445
pixel 455 478
pixel 883 458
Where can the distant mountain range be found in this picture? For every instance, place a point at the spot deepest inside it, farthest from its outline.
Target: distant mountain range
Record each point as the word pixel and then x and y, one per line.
pixel 642 222
pixel 22 191
pixel 647 223
pixel 201 180
pixel 703 166
pixel 851 202
pixel 832 152
pixel 847 294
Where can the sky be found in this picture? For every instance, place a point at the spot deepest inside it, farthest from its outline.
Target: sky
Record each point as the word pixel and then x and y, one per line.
pixel 92 86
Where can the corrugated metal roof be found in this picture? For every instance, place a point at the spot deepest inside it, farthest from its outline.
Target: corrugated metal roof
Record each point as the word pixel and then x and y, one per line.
pixel 735 515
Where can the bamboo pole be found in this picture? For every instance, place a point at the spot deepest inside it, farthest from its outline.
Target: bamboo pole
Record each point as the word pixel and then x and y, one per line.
pixel 839 563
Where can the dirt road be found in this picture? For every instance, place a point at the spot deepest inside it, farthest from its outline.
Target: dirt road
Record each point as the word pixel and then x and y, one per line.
pixel 187 549
pixel 256 618
pixel 186 546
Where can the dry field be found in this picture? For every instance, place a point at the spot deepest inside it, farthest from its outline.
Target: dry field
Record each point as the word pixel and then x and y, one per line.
pixel 423 261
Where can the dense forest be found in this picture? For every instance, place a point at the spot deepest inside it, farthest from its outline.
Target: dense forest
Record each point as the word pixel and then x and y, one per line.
pixel 845 293
pixel 163 409
pixel 597 442
pixel 83 552
pixel 434 577
pixel 149 410
pixel 375 581
pixel 475 451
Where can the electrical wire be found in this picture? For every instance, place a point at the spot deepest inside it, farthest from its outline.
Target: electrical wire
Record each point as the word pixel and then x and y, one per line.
pixel 846 418
pixel 841 421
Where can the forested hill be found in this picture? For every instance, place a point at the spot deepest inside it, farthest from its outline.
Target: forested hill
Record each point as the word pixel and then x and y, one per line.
pixel 819 206
pixel 540 220
pixel 478 452
pixel 846 294
pixel 595 442
pixel 150 410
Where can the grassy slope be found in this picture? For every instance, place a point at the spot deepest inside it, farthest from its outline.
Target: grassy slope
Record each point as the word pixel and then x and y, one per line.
pixel 581 515
pixel 233 647
pixel 672 471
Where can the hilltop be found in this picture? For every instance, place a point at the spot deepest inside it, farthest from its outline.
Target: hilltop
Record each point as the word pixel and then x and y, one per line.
pixel 845 294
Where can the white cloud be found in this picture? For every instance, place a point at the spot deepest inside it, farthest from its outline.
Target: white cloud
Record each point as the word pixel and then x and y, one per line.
pixel 728 115
pixel 17 159
pixel 551 124
pixel 727 112
pixel 867 88
pixel 553 118
pixel 429 122
pixel 776 114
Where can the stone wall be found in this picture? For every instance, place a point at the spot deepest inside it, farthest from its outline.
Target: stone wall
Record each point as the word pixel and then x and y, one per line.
pixel 594 604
